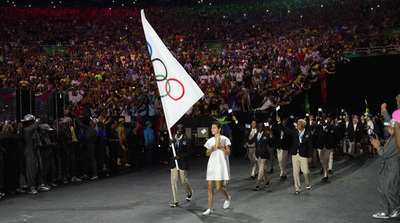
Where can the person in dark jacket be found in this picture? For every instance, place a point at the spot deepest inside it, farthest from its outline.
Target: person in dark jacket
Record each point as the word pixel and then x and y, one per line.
pixel 89 136
pixel 113 145
pixel 183 150
pixel 283 142
pixel 326 144
pixel 261 139
pixel 67 151
pixel 301 151
pixel 9 141
pixel 136 146
pixel 355 135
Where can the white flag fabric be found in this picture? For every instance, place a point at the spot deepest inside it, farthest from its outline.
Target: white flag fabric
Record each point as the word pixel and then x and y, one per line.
pixel 177 89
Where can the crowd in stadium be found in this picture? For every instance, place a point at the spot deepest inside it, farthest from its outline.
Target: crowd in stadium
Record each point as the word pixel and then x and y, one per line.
pixel 105 66
pixel 246 58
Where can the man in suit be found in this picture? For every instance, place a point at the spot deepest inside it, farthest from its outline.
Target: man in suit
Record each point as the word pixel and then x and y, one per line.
pixel 301 151
pixel 183 149
pixel 326 144
pixel 355 133
pixel 261 140
pixel 282 143
pixel 346 144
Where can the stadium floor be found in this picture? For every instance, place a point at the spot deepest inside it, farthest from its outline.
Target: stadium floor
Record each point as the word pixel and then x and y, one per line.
pixel 144 196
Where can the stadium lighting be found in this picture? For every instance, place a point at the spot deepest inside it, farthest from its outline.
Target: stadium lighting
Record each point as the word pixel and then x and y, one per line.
pixel 322 6
pixel 122 5
pixel 288 11
pixel 210 3
pixel 267 10
pixel 223 17
pixel 301 16
pixel 244 14
pixel 378 6
pixel 372 9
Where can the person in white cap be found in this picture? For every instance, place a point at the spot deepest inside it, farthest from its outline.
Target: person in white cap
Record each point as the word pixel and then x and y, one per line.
pixel 31 154
pixel 389 175
pixel 46 154
pixel 67 151
pixel 89 136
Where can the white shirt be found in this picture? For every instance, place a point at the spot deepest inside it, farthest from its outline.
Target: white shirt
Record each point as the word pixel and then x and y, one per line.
pixel 371 127
pixel 251 135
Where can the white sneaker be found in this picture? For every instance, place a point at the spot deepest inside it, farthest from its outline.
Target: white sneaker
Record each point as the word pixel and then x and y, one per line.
pixel 380 215
pixel 75 180
pixel 42 188
pixel 395 213
pixel 227 202
pixel 308 188
pixel 208 212
pixel 32 191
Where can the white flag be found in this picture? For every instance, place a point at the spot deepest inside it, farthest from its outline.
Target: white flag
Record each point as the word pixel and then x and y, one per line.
pixel 177 89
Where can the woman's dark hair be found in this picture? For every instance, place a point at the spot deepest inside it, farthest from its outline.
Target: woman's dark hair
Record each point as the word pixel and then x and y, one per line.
pixel 223 131
pixel 217 124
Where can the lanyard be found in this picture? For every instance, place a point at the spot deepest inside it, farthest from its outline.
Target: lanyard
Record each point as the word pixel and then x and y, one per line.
pixel 301 134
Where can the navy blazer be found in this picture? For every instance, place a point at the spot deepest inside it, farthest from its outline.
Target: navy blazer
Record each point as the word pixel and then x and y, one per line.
pixel 261 145
pixel 305 148
pixel 355 135
pixel 183 151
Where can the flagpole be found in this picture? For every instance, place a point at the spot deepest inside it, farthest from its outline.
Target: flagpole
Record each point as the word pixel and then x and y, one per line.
pixel 173 148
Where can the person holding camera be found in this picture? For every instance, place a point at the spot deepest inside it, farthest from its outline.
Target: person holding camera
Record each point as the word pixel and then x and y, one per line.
pixel 389 174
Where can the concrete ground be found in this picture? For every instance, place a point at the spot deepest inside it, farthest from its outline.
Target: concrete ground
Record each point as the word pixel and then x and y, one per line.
pixel 144 196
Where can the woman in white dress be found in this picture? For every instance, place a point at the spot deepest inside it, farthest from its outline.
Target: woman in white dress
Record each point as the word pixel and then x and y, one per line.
pixel 218 149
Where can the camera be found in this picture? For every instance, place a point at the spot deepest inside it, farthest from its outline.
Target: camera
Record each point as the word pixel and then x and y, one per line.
pixel 372 136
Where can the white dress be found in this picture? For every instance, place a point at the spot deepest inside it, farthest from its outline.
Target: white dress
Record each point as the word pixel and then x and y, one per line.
pixel 218 163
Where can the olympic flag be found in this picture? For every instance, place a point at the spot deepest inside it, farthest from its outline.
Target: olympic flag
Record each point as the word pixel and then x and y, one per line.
pixel 177 89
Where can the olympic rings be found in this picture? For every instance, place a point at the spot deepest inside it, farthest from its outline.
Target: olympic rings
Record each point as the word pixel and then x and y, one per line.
pixel 150 48
pixel 165 95
pixel 166 88
pixel 166 71
pixel 161 77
